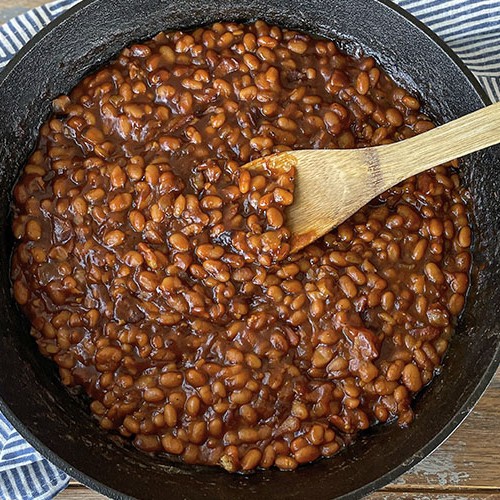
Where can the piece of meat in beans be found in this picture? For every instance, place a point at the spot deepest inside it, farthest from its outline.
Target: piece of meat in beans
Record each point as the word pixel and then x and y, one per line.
pixel 156 271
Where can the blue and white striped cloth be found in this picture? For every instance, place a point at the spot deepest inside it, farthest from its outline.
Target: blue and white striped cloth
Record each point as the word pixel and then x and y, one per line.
pixel 470 27
pixel 24 473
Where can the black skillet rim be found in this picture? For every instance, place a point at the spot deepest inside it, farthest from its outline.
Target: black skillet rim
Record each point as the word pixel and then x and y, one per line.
pixel 383 480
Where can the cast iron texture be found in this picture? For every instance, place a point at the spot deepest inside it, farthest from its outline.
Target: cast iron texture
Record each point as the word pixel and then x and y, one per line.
pixel 59 425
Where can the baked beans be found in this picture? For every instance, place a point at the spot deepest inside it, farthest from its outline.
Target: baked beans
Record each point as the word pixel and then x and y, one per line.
pixel 157 272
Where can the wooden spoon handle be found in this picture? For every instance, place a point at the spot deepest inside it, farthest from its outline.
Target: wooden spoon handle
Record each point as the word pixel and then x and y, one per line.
pixel 454 139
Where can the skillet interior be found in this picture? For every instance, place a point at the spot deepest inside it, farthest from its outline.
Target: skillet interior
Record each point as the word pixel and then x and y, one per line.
pixel 60 426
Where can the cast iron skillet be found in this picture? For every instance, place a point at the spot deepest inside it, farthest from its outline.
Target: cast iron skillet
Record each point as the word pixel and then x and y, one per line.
pixel 59 425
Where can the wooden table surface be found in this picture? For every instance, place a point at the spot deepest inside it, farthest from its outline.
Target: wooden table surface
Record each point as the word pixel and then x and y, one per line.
pixel 466 467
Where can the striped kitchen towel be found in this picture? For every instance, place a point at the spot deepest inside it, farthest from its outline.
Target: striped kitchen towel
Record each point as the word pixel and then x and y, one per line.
pixel 470 27
pixel 24 473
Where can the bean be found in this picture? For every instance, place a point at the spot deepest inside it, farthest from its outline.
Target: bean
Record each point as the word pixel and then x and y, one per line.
pixel 251 459
pixel 283 197
pixel 211 202
pixel 456 303
pixel 464 237
pixel 209 251
pixel 196 378
pixel 363 83
pixel 179 242
pixel 274 217
pixel 330 449
pixel 193 405
pixel 33 230
pixel 317 434
pixel 348 286
pixel 394 117
pixel 284 462
pixel 170 415
pixel 172 444
pixel 322 356
pixel 153 395
pixel 114 238
pixel 356 275
pixel 80 206
pixel 171 379
pixel 307 454
pixel 198 432
pixel 419 250
pixel 433 273
pixel 411 377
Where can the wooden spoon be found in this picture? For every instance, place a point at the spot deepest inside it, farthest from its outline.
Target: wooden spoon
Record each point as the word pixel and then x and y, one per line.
pixel 332 184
